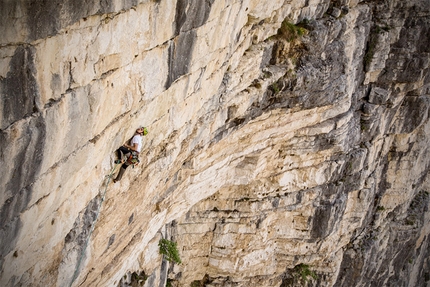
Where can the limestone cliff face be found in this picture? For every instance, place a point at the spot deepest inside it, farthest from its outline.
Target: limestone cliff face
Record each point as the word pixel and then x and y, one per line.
pixel 284 135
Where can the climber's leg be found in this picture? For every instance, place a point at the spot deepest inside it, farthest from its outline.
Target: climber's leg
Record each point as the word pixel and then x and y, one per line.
pixel 120 173
pixel 122 153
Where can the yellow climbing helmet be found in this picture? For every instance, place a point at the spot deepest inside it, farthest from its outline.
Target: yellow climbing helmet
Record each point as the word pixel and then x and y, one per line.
pixel 145 131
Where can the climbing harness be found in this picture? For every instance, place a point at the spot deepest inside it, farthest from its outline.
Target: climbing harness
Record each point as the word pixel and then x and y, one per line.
pixel 130 158
pixel 133 159
pixel 78 265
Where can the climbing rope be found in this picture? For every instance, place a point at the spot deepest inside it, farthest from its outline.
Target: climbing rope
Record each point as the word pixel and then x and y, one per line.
pixel 78 265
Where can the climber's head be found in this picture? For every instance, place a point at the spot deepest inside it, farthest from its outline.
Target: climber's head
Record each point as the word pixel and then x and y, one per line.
pixel 142 131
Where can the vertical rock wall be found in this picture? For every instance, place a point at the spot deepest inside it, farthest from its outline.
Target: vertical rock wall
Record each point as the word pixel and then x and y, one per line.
pixel 283 135
pixel 346 194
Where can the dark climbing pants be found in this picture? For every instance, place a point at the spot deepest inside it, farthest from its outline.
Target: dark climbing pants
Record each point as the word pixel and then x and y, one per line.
pixel 121 152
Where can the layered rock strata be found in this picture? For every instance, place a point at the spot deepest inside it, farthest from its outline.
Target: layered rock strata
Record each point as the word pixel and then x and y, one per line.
pixel 285 137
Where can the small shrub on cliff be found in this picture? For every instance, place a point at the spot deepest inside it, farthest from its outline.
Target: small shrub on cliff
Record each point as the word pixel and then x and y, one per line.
pixel 275 88
pixel 380 208
pixel 303 272
pixel 169 282
pixel 139 278
pixel 372 45
pixel 135 279
pixel 291 31
pixel 201 283
pixel 170 250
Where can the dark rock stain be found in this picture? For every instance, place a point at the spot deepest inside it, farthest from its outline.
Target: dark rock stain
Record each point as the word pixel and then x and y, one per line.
pixel 189 16
pixel 43 18
pixel 19 87
pixel 163 273
pixel 47 17
pixel 130 219
pixel 25 170
pixel 76 240
pixel 180 53
pixel 111 240
pixel 412 113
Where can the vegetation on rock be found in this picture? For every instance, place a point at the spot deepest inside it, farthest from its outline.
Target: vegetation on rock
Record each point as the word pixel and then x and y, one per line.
pixel 170 250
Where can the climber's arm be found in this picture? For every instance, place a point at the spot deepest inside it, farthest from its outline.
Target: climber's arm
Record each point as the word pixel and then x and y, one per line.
pixel 132 147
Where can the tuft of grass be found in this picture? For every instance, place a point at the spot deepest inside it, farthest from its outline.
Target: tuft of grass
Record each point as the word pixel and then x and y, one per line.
pixel 372 43
pixel 380 208
pixel 267 74
pixel 290 31
pixel 275 88
pixel 303 272
pixel 409 221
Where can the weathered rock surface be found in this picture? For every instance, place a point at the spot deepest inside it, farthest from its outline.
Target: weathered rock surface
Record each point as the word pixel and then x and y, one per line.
pixel 284 135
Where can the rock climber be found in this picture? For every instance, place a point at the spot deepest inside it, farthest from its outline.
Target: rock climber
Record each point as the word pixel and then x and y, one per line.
pixel 128 154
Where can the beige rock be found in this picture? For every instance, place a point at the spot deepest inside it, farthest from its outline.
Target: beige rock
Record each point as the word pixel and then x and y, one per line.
pixel 254 164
